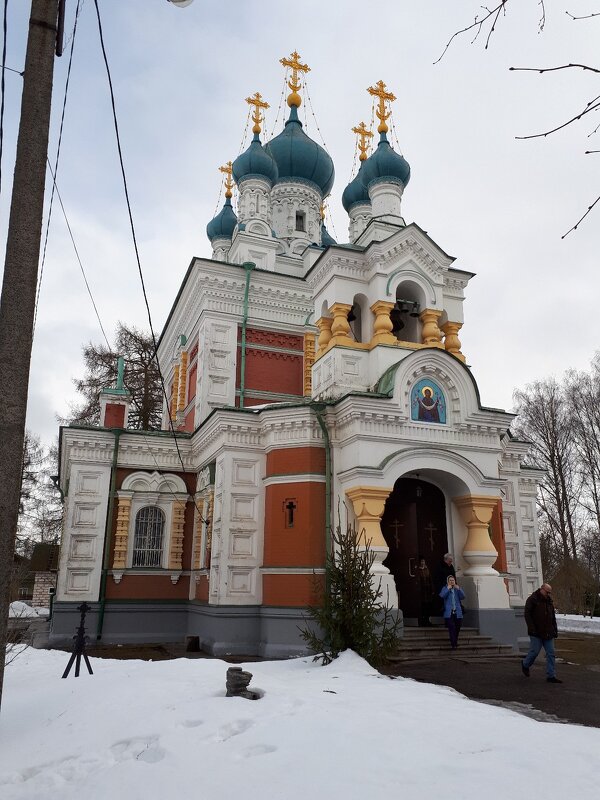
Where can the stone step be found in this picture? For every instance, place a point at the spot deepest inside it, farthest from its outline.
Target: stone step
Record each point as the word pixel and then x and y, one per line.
pixel 458 655
pixel 463 650
pixel 467 641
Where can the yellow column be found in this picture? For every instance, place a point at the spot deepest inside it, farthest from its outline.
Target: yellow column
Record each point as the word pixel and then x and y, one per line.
pixel 431 335
pixel 451 341
pixel 309 360
pixel 368 503
pixel 182 381
pixel 478 552
pixel 174 393
pixel 340 327
pixel 122 533
pixel 324 325
pixel 382 326
pixel 199 514
pixel 177 524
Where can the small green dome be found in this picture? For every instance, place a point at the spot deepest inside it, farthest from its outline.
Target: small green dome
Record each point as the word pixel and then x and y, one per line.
pixel 255 162
pixel 326 238
pixel 385 164
pixel 356 192
pixel 298 157
pixel 223 225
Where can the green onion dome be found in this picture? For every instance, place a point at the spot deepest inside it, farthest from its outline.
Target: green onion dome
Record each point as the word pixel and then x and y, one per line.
pixel 385 165
pixel 255 162
pixel 356 192
pixel 298 157
pixel 223 225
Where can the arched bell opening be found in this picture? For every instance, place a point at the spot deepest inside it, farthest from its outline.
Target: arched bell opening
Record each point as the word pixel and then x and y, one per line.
pixel 359 319
pixel 410 301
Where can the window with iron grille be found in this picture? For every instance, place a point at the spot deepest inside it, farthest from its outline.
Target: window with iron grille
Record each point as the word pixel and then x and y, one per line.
pixel 148 538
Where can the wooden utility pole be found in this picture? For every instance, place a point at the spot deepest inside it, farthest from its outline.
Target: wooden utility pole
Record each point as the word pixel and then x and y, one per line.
pixel 17 304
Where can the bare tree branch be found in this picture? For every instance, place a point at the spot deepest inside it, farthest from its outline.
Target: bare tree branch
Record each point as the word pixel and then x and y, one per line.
pixel 477 25
pixel 554 69
pixel 580 220
pixel 586 16
pixel 591 106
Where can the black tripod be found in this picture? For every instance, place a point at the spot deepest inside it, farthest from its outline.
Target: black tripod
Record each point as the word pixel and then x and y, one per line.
pixel 79 646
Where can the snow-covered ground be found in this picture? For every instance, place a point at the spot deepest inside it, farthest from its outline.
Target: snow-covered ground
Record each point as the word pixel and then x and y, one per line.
pixel 577 623
pixel 142 730
pixel 19 610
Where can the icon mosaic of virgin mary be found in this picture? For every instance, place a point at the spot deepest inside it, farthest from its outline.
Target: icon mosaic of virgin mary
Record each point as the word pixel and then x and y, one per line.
pixel 427 402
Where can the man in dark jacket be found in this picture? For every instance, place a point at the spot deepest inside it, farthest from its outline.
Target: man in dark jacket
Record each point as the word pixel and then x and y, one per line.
pixel 542 630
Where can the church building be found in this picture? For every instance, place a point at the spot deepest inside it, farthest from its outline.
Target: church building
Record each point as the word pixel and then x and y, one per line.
pixel 305 379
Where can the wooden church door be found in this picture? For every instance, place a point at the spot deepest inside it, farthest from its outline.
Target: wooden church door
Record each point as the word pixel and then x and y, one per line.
pixel 414 528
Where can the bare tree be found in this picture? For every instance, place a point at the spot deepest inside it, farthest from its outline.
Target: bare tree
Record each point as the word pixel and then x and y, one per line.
pixel 40 507
pixel 484 25
pixel 544 420
pixel 141 378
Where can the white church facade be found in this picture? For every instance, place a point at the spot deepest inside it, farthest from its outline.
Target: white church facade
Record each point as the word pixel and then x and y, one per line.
pixel 303 375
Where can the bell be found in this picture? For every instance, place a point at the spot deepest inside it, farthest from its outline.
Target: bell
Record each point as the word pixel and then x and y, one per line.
pixel 396 318
pixel 351 315
pixel 415 309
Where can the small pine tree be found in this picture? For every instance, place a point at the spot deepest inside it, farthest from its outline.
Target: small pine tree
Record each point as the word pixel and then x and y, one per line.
pixel 352 614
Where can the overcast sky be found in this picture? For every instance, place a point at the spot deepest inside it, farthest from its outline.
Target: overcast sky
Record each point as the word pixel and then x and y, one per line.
pixel 498 205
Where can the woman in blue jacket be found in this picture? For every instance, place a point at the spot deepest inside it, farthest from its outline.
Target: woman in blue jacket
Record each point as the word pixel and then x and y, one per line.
pixel 451 596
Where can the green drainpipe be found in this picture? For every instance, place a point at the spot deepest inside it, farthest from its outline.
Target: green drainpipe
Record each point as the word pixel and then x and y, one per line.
pixel 108 533
pixel 318 409
pixel 248 266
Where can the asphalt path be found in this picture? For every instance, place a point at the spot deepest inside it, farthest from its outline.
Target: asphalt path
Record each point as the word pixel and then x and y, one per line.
pixel 501 682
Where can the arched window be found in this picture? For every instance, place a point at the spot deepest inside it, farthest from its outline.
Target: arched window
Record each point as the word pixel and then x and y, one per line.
pixel 148 537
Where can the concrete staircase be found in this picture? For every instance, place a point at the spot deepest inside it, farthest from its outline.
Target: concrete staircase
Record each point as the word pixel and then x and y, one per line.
pixel 432 644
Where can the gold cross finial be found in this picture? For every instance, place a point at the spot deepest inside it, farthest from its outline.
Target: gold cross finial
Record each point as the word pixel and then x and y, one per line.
pixel 293 62
pixel 323 212
pixel 227 170
pixel 379 91
pixel 364 134
pixel 258 103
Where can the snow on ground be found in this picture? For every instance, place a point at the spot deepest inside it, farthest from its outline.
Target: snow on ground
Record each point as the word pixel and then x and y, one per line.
pixel 20 610
pixel 577 623
pixel 141 730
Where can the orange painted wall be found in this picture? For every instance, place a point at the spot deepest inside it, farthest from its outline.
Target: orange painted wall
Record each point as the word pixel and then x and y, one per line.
pixel 272 370
pixel 114 416
pixel 292 590
pixel 296 460
pixel 147 587
pixel 202 589
pixel 193 374
pixel 304 544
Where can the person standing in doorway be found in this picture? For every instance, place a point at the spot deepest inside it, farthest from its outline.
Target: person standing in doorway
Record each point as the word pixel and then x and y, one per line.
pixel 444 569
pixel 451 596
pixel 541 627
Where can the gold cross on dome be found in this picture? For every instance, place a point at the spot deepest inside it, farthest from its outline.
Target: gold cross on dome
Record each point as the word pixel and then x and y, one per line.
pixel 379 91
pixel 293 62
pixel 227 170
pixel 364 134
pixel 258 103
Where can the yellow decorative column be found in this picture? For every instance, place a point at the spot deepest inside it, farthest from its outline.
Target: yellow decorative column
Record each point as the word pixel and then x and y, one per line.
pixel 431 335
pixel 324 325
pixel 122 533
pixel 182 381
pixel 198 525
pixel 451 340
pixel 478 552
pixel 382 326
pixel 368 503
pixel 309 360
pixel 174 393
pixel 340 327
pixel 177 524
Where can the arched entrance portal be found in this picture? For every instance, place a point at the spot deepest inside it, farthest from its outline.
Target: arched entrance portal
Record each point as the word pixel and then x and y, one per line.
pixel 414 527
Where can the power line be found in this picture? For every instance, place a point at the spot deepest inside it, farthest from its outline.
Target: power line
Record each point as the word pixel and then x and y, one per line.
pixel 87 286
pixel 134 238
pixel 54 187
